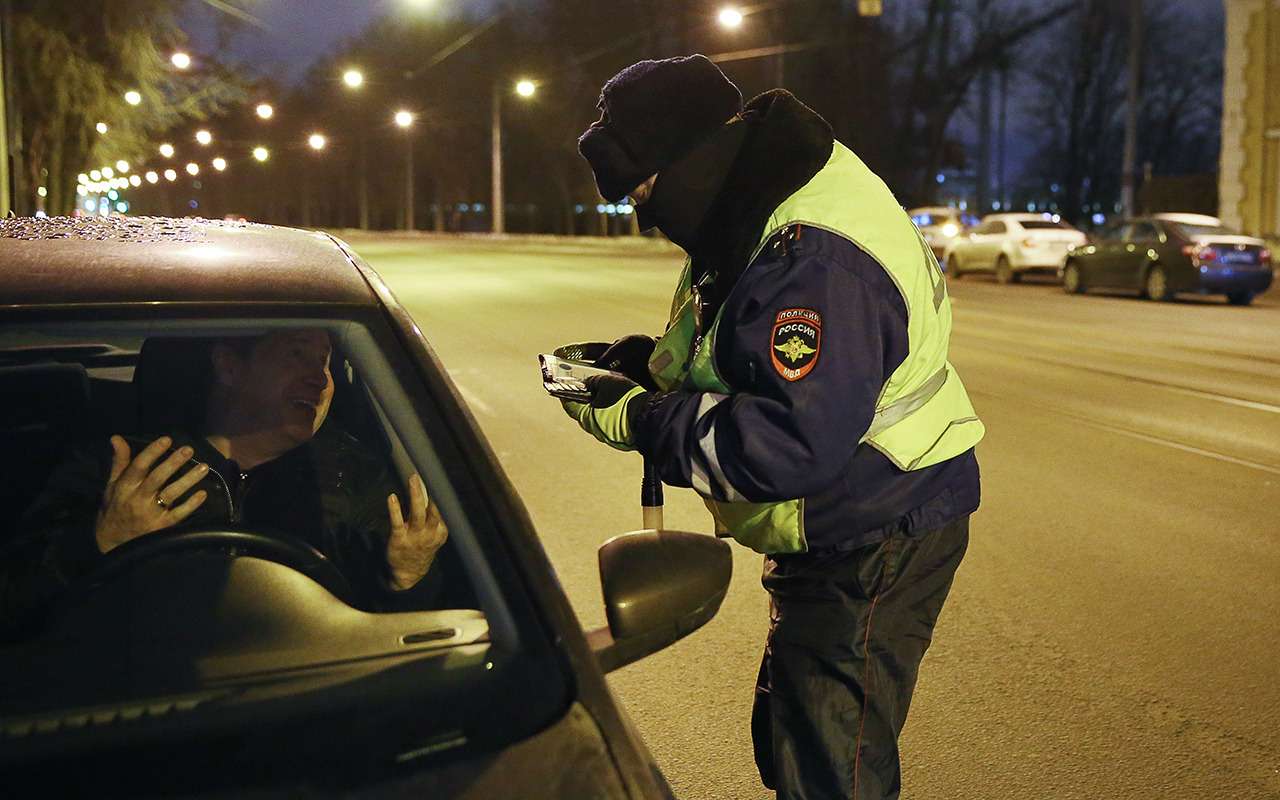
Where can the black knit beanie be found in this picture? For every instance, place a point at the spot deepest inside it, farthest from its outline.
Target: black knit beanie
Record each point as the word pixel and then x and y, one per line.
pixel 651 115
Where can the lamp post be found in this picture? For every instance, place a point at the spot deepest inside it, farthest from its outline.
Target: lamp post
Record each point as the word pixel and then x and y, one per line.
pixel 266 208
pixel 404 120
pixel 317 142
pixel 524 88
pixel 353 79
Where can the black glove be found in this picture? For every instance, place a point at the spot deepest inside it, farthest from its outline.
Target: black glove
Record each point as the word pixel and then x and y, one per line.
pixel 582 351
pixel 630 356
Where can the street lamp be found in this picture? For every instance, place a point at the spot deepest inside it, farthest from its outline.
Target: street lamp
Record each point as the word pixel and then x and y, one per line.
pixel 135 181
pixel 166 150
pixel 265 111
pixel 316 142
pixel 354 79
pixel 180 60
pixel 730 17
pixel 193 169
pixel 152 177
pixel 108 173
pixel 133 97
pixel 524 88
pixel 219 163
pixel 171 174
pixel 404 119
pixel 204 137
pixel 101 127
pixel 261 153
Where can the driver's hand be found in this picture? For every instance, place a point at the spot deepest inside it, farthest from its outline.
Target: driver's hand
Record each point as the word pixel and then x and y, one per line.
pixel 139 498
pixel 413 544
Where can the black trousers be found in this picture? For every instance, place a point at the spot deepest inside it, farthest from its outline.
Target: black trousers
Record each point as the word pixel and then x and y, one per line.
pixel 847 633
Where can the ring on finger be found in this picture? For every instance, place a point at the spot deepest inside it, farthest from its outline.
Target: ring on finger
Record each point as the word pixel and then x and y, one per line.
pixel 160 501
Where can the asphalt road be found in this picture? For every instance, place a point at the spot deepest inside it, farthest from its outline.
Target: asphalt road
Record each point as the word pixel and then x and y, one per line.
pixel 1112 632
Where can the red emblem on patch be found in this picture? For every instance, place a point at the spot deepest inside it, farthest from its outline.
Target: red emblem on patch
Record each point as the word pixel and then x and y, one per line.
pixel 796 340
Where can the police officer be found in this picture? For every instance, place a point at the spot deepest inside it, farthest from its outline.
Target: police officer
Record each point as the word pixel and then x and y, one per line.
pixel 802 388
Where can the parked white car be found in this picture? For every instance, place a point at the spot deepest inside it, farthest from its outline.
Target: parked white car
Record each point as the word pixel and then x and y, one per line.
pixel 940 225
pixel 1012 244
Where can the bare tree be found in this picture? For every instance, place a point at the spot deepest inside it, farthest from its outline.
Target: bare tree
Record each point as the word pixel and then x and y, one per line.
pixel 1079 115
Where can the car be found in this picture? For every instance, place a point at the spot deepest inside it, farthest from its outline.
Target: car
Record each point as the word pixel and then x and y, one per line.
pixel 226 660
pixel 1011 245
pixel 1165 254
pixel 940 225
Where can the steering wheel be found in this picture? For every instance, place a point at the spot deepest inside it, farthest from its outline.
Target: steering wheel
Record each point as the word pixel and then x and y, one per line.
pixel 281 548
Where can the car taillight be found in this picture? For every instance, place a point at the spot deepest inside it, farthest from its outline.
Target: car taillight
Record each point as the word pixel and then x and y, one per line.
pixel 1264 258
pixel 1200 252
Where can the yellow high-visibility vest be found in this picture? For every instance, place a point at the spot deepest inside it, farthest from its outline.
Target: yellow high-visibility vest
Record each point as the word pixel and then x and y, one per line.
pixel 923 414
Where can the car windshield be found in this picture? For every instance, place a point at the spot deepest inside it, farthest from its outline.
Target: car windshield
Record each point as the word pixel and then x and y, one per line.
pixel 238 519
pixel 1039 224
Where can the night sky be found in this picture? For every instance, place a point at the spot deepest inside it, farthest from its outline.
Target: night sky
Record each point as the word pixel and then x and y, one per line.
pixel 297 32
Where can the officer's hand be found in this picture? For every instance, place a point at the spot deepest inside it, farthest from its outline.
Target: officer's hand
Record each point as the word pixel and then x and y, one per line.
pixel 137 500
pixel 413 545
pixel 630 356
pixel 611 415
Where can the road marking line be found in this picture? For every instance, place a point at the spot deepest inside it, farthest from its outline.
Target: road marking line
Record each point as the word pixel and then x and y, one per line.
pixel 1256 405
pixel 1146 437
pixel 473 400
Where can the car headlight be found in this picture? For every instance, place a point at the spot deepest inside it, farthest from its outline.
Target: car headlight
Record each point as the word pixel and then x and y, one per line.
pixel 950 230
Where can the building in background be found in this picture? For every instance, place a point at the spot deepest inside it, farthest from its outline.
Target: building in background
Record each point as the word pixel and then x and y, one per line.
pixel 1249 178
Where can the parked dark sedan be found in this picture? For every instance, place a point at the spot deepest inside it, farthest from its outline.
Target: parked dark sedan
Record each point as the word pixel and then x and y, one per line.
pixel 231 660
pixel 1166 254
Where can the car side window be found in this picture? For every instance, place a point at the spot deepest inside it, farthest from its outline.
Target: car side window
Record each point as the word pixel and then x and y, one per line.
pixel 996 226
pixel 1144 232
pixel 326 486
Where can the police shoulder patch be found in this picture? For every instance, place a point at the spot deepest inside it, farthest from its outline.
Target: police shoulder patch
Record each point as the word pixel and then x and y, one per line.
pixel 796 340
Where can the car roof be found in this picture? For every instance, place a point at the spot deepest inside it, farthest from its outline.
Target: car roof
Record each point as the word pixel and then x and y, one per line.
pixel 1188 219
pixel 60 261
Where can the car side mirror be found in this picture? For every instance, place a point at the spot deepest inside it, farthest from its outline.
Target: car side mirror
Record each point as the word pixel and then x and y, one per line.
pixel 659 586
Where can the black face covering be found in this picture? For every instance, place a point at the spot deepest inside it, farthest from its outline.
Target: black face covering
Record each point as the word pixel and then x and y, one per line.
pixel 684 191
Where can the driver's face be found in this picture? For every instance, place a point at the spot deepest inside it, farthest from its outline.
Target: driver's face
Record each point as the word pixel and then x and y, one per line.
pixel 285 384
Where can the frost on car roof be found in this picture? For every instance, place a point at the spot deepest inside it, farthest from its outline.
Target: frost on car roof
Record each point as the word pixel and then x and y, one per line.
pixel 111 229
pixel 119 259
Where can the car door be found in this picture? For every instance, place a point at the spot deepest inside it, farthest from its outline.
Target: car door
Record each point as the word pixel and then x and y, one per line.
pixel 964 248
pixel 990 242
pixel 1132 256
pixel 1106 264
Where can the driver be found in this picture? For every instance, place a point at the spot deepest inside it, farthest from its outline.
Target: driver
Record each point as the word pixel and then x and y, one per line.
pixel 259 460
